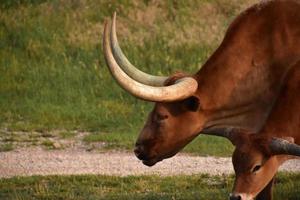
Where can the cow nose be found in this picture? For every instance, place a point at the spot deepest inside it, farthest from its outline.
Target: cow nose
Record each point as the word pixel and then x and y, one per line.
pixel 235 197
pixel 139 152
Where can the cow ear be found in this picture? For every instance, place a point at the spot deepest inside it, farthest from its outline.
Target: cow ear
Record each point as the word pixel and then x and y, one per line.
pixel 192 103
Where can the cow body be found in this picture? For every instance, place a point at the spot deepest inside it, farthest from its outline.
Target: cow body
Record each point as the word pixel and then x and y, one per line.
pixel 245 92
pixel 254 162
pixel 267 84
pixel 238 85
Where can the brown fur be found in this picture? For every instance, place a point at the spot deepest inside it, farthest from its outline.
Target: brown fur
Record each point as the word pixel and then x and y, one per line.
pixel 250 83
pixel 283 122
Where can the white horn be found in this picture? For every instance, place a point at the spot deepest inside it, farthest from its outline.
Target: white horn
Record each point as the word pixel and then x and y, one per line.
pixel 182 89
pixel 128 68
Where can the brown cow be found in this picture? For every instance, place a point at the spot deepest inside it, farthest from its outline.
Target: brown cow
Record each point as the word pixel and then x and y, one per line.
pixel 256 157
pixel 234 92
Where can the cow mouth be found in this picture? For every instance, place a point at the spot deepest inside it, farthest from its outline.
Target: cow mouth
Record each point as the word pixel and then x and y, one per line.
pixel 151 162
pixel 154 158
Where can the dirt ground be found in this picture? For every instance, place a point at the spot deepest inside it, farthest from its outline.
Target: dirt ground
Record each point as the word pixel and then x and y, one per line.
pixel 36 161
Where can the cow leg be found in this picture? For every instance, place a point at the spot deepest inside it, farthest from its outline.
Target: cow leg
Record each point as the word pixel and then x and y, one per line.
pixel 266 193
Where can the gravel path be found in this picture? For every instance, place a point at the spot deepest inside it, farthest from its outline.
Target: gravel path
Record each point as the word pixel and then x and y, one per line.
pixel 36 161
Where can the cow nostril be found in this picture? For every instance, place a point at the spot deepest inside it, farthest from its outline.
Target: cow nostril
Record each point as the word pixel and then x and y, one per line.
pixel 137 151
pixel 137 144
pixel 140 153
pixel 235 197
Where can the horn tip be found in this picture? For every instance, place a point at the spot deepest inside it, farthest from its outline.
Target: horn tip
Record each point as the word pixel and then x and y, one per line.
pixel 106 21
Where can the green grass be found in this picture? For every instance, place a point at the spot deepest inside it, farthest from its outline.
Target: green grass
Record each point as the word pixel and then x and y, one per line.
pixel 67 134
pixel 91 187
pixel 122 140
pixel 48 144
pixel 53 75
pixel 6 147
pixel 209 145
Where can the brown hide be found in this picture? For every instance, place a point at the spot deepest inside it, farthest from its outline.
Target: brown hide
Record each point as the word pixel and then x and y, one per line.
pixel 245 74
pixel 284 120
pixel 238 85
pixel 254 164
pixel 253 150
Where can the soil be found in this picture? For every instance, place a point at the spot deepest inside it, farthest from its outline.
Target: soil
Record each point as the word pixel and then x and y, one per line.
pixel 37 161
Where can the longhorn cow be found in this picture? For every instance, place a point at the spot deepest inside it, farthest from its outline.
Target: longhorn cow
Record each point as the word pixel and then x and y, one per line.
pixel 239 91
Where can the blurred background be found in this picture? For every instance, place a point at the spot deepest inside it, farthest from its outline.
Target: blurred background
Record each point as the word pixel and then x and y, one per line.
pixel 54 84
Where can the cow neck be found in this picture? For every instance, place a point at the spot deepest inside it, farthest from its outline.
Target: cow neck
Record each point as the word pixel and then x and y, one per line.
pixel 241 81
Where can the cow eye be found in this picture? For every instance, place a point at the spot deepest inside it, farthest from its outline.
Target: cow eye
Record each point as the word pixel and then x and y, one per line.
pixel 160 117
pixel 192 103
pixel 256 168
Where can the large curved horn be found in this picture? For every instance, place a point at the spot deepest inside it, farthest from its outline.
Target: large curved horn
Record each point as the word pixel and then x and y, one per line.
pixel 128 68
pixel 281 146
pixel 182 89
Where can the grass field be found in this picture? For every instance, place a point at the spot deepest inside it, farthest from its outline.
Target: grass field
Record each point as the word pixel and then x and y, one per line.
pixel 52 72
pixel 91 187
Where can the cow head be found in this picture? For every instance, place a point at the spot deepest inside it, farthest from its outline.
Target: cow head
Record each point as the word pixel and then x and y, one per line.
pixel 256 160
pixel 175 97
pixel 163 134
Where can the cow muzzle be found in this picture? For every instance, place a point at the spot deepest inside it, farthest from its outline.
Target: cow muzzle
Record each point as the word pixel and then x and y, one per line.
pixel 144 156
pixel 240 196
pixel 235 197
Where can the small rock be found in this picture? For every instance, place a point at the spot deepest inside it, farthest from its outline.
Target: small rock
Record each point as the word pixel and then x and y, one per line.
pixel 57 145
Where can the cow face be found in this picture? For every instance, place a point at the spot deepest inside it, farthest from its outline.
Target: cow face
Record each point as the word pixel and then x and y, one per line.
pixel 177 103
pixel 170 126
pixel 254 166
